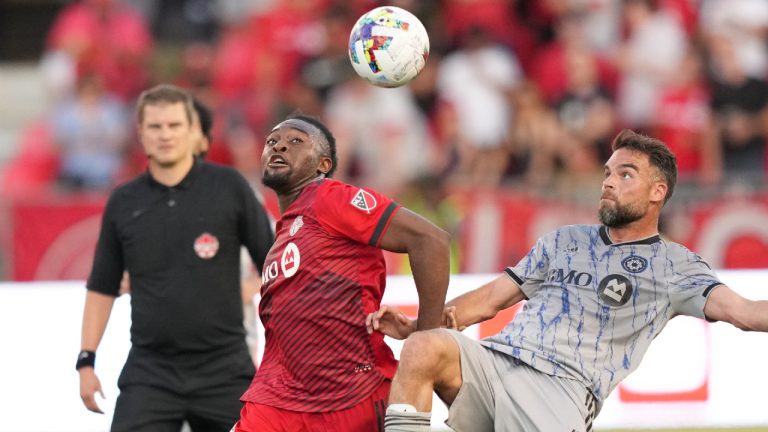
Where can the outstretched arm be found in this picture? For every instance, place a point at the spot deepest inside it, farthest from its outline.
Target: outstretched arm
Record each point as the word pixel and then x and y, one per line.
pixel 471 308
pixel 724 304
pixel 428 251
pixel 485 302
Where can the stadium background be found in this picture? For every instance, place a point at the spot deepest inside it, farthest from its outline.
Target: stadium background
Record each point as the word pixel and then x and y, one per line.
pixel 500 139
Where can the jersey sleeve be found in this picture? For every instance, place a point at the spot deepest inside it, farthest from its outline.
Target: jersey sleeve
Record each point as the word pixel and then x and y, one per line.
pixel 691 282
pixel 360 214
pixel 531 270
pixel 108 264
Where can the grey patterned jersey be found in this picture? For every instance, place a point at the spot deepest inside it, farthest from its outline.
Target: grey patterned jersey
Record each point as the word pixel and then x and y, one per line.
pixel 594 306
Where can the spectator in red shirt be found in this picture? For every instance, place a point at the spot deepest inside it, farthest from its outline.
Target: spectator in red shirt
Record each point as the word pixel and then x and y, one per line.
pixel 114 38
pixel 684 120
pixel 324 274
pixel 550 68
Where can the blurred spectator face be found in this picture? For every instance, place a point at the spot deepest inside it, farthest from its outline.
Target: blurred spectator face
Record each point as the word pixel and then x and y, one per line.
pixel 570 30
pixel 725 65
pixel 244 147
pixel 582 71
pixel 527 97
pixel 738 126
pixel 198 63
pixel 301 7
pixel 337 25
pixel 690 69
pixel 90 87
pixel 475 38
pixel 166 134
pixel 267 69
pixel 636 12
pixel 102 7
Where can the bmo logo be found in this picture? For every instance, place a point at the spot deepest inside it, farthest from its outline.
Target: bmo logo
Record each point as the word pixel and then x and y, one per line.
pixel 290 260
pixel 289 264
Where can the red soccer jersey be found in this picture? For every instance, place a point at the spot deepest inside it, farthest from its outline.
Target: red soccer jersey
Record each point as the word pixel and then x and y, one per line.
pixel 322 277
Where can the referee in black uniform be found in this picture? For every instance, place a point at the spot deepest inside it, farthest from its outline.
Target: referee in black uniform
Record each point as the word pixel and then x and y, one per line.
pixel 177 229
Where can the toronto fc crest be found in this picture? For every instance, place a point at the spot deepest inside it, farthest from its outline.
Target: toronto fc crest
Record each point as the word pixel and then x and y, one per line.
pixel 297 224
pixel 206 246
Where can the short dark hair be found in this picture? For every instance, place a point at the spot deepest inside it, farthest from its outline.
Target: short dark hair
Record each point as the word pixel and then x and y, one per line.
pixel 204 116
pixel 659 155
pixel 164 94
pixel 331 150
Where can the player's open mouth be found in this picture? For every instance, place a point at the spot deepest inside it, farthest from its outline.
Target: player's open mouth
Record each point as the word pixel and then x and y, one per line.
pixel 276 161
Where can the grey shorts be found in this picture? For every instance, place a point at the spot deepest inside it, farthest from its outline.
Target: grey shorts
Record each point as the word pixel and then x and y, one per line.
pixel 500 393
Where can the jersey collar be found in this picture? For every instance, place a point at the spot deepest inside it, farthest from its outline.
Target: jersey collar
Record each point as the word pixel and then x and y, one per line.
pixel 193 174
pixel 185 183
pixel 608 242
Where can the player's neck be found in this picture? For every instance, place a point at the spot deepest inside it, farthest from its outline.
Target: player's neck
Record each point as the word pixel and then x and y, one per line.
pixel 632 232
pixel 171 175
pixel 286 198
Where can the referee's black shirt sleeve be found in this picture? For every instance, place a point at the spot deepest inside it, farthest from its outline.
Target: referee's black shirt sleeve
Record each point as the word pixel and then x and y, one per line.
pixel 254 226
pixel 108 264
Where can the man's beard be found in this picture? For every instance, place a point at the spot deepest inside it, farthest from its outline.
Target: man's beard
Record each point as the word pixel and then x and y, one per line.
pixel 619 216
pixel 277 181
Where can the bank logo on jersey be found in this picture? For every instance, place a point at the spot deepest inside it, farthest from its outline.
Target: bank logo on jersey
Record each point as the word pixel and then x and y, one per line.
pixel 634 264
pixel 571 277
pixel 364 201
pixel 290 260
pixel 206 246
pixel 615 290
pixel 297 223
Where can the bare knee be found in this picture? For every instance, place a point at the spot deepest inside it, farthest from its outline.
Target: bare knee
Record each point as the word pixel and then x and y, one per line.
pixel 428 352
pixel 429 361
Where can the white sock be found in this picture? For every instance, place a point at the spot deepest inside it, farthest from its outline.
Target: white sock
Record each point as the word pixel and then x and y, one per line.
pixel 405 418
pixel 401 408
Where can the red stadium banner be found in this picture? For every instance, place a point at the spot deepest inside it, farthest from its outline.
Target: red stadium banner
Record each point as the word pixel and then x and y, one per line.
pixel 500 228
pixel 54 238
pixel 730 233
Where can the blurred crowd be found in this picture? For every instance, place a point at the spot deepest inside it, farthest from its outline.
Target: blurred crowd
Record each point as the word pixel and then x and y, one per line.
pixel 518 94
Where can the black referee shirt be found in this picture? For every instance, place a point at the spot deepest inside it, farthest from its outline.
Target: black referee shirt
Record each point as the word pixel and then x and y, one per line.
pixel 181 246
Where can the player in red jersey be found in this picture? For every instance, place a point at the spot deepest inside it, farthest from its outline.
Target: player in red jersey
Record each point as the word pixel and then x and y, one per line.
pixel 325 272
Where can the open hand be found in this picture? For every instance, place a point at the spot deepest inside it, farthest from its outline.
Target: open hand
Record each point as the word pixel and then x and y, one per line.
pixel 391 321
pixel 89 386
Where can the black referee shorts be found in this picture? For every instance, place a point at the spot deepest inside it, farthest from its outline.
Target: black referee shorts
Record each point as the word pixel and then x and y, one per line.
pixel 158 394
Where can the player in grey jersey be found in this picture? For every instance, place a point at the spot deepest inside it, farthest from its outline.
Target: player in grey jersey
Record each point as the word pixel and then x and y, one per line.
pixel 597 295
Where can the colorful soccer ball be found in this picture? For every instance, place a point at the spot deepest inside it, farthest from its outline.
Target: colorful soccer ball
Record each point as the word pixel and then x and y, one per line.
pixel 388 46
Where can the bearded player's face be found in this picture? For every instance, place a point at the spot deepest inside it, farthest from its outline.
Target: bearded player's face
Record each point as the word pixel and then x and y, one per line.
pixel 290 158
pixel 627 188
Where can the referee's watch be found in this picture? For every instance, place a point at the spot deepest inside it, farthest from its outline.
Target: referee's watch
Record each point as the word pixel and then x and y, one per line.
pixel 85 359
